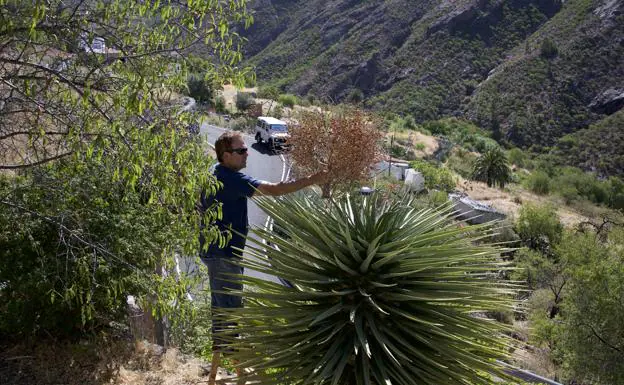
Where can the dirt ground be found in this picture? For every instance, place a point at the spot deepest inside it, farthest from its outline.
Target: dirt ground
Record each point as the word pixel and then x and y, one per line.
pixel 511 199
pixel 113 361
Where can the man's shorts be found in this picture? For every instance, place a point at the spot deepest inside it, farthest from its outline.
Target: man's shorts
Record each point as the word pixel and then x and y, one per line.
pixel 219 270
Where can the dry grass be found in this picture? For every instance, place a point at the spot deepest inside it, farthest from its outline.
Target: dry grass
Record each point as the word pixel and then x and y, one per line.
pixel 105 361
pixel 416 143
pixel 510 200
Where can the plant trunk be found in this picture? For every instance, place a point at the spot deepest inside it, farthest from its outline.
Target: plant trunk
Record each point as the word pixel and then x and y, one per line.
pixel 326 190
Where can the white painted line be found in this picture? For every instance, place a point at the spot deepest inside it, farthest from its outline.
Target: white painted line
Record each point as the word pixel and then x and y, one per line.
pixel 283 166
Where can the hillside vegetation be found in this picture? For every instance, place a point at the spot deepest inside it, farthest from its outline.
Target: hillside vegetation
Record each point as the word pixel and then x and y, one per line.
pixel 530 72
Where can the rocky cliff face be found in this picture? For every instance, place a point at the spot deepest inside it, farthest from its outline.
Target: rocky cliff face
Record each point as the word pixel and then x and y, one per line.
pixel 538 69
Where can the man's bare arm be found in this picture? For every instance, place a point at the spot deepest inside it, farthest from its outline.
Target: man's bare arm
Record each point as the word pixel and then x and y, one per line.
pixel 281 188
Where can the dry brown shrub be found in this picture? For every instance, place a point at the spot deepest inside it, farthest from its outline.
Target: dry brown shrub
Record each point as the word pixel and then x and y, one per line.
pixel 345 142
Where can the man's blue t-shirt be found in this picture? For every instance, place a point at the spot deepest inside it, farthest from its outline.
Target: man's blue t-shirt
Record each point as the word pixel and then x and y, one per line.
pixel 237 187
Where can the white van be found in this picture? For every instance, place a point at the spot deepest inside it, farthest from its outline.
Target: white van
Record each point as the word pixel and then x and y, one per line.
pixel 273 132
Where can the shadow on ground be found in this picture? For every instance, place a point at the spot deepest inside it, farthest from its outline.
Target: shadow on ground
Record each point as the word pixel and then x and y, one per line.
pixel 263 148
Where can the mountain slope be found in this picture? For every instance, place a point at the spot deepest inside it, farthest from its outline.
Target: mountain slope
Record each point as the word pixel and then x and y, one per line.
pixel 530 70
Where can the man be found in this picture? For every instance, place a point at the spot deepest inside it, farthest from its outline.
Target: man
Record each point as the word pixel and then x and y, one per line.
pixel 237 187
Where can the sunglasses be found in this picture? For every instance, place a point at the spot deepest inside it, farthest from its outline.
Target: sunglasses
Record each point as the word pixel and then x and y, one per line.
pixel 239 151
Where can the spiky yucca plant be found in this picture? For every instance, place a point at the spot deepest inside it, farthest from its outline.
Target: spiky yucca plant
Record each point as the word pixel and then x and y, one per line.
pixel 382 293
pixel 492 167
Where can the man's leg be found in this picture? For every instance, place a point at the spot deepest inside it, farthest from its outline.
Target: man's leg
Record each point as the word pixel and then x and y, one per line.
pixel 214 365
pixel 220 280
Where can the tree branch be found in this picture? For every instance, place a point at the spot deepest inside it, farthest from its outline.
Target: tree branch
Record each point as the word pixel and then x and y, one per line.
pixel 40 162
pixel 602 340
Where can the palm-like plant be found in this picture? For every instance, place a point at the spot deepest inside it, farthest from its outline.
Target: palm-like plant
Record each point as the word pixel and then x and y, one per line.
pixel 382 293
pixel 492 167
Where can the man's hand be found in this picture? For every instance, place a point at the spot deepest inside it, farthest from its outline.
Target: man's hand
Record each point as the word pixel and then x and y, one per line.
pixel 319 178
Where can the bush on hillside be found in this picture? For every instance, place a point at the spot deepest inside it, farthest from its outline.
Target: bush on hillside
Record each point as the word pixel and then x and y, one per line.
pixel 355 96
pixel 461 132
pixel 586 184
pixel 199 89
pixel 461 162
pixel 288 100
pixel 242 124
pixel 268 92
pixel 70 268
pixel 548 49
pixel 439 178
pixel 243 101
pixel 616 193
pixel 517 157
pixel 538 182
pixel 539 227
pixel 219 104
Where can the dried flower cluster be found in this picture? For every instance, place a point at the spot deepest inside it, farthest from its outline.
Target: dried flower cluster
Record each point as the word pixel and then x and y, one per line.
pixel 346 143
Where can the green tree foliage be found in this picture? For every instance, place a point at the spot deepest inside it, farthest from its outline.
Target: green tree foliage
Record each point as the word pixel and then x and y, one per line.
pixel 105 176
pixel 461 132
pixel 243 101
pixel 219 104
pixel 288 100
pixel 585 335
pixel 539 182
pixel 402 123
pixel 539 227
pixel 436 177
pixel 597 147
pixel 616 193
pixel 586 185
pixel 355 96
pixel 492 167
pixel 592 336
pixel 548 49
pixel 381 292
pixel 517 157
pixel 268 92
pixel 199 89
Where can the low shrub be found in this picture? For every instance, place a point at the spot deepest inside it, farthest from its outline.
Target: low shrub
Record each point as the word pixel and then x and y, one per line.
pixel 241 124
pixel 539 227
pixel 288 100
pixel 437 198
pixel 243 101
pixel 538 182
pixel 268 92
pixel 586 184
pixel 517 157
pixel 436 177
pixel 461 162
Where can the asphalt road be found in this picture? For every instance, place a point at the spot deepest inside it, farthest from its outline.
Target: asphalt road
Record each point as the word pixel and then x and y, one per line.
pixel 261 165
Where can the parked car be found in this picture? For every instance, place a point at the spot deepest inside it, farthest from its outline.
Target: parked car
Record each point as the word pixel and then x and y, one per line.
pixel 273 132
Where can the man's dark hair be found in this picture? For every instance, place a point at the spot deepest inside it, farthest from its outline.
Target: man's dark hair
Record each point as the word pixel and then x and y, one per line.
pixel 224 143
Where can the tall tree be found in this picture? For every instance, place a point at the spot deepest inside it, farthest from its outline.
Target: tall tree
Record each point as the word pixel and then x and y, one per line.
pixel 492 167
pixel 98 168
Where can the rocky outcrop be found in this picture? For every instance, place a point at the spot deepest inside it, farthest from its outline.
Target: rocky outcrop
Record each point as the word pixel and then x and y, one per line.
pixel 472 211
pixel 608 102
pixel 453 13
